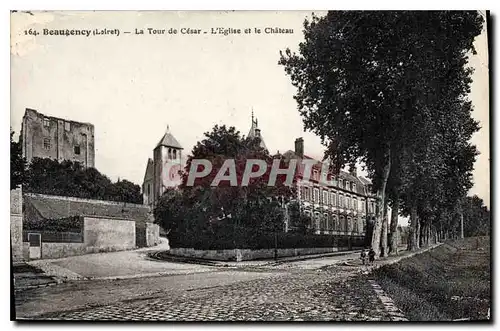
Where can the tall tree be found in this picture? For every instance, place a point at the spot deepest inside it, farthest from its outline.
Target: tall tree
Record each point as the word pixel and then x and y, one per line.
pixel 367 83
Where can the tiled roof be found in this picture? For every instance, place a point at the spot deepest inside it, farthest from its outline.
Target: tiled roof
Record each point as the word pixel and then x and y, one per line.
pixel 57 207
pixel 169 140
pixel 360 181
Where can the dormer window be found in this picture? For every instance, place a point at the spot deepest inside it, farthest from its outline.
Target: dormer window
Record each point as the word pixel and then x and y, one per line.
pixel 354 187
pixel 315 174
pixel 347 185
pixel 67 126
pixel 46 122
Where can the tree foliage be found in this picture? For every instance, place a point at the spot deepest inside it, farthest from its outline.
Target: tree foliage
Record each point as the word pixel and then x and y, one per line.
pixel 67 178
pixel 390 89
pixel 210 208
pixel 17 164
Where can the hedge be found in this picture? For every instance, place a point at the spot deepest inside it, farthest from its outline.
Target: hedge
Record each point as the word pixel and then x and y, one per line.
pixel 69 224
pixel 251 239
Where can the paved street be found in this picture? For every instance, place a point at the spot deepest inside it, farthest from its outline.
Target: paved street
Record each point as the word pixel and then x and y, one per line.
pixel 287 291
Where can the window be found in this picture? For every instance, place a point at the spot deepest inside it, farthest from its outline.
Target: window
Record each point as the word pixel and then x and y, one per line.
pixel 354 187
pixel 316 195
pixel 307 194
pixel 336 225
pixel 315 174
pixel 149 189
pixel 46 122
pixel 67 126
pixel 342 225
pixel 333 198
pixel 46 143
pixel 341 183
pixel 355 203
pixel 77 150
pixel 347 185
pixel 324 222
pixel 341 201
pixel 348 202
pixel 175 153
pixel 325 197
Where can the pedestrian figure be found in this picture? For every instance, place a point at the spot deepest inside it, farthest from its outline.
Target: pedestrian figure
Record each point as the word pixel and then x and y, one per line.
pixel 363 256
pixel 371 255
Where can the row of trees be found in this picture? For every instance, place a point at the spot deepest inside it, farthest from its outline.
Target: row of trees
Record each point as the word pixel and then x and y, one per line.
pixel 67 178
pixel 389 90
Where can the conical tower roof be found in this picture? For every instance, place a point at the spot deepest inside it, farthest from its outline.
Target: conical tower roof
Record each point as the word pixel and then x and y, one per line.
pixel 255 132
pixel 169 140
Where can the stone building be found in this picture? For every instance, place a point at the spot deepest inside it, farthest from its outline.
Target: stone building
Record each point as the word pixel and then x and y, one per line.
pixel 340 207
pixel 162 171
pixel 56 138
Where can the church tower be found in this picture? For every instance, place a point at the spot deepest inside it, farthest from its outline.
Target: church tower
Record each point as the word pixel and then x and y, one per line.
pixel 255 132
pixel 162 171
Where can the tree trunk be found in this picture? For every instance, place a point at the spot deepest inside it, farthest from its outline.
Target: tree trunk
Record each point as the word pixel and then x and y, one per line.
pixel 412 234
pixel 418 233
pixel 393 244
pixel 461 225
pixel 385 226
pixel 380 203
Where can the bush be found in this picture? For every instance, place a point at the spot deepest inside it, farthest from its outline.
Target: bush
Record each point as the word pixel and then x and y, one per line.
pixel 69 224
pixel 230 237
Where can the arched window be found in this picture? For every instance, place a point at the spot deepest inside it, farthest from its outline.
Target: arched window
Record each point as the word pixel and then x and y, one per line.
pixel 342 224
pixel 175 154
pixel 335 222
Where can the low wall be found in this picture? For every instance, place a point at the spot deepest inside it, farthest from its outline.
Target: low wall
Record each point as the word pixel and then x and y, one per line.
pixel 248 254
pixel 105 234
pixel 147 234
pixel 152 234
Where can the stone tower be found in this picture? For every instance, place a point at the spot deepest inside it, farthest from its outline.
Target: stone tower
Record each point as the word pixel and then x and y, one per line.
pixel 162 171
pixel 255 132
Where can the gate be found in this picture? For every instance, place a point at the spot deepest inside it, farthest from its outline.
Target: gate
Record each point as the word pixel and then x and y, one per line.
pixel 35 245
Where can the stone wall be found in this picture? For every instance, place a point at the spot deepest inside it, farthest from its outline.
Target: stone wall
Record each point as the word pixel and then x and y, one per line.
pixel 16 224
pixel 152 234
pixel 59 250
pixel 105 234
pixel 248 254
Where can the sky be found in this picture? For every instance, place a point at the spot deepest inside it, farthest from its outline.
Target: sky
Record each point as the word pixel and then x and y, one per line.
pixel 132 86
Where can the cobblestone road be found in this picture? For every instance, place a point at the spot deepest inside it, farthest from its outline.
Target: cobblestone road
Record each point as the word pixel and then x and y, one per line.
pixel 328 294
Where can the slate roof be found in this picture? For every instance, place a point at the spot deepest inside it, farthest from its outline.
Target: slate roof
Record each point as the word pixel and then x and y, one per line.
pixel 253 133
pixel 41 207
pixel 169 140
pixel 360 182
pixel 149 170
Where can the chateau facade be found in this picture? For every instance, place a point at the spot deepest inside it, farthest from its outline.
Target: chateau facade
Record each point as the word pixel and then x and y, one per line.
pixel 341 206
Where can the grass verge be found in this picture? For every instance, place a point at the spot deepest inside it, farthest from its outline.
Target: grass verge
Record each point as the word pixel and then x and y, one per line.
pixel 447 283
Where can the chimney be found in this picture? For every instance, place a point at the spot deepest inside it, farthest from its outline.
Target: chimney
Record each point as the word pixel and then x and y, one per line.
pixel 353 171
pixel 299 147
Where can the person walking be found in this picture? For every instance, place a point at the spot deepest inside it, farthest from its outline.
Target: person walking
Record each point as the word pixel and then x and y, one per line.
pixel 371 255
pixel 363 256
